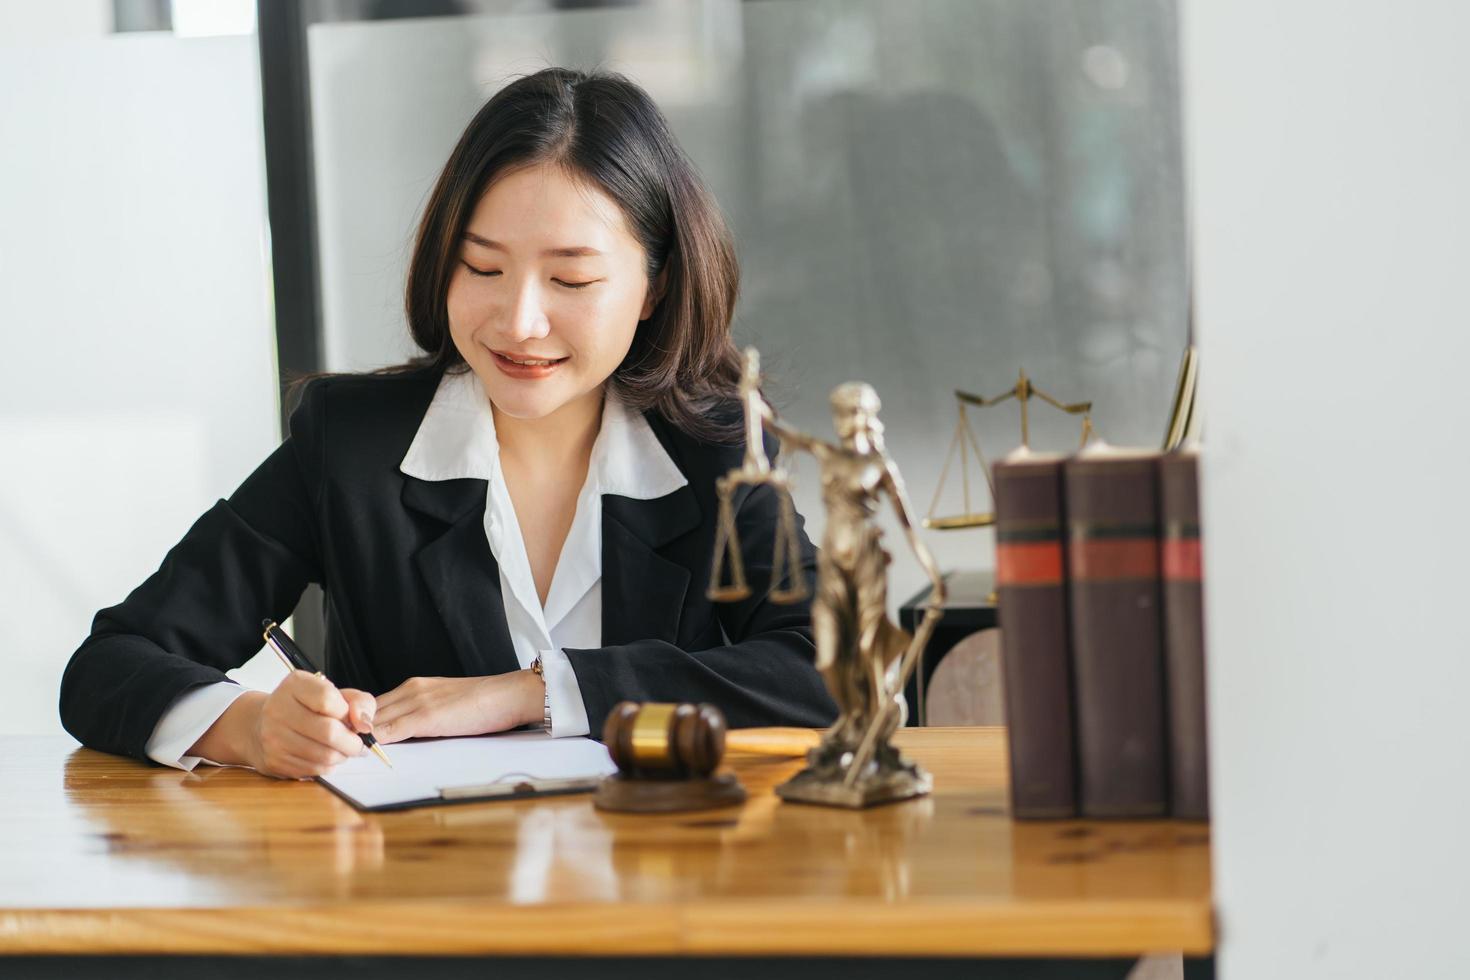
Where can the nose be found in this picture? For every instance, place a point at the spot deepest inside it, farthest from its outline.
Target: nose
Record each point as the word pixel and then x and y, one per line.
pixel 527 318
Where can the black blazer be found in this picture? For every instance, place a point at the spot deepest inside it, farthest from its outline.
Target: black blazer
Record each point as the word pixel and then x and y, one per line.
pixel 412 588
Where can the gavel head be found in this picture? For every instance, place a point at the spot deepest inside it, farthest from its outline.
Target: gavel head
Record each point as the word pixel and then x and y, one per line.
pixel 665 741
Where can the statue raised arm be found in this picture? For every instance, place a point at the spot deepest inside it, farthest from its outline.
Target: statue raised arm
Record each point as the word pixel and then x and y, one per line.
pixel 759 414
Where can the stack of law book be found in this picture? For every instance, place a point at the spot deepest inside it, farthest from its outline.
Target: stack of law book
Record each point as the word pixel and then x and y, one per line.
pixel 1102 634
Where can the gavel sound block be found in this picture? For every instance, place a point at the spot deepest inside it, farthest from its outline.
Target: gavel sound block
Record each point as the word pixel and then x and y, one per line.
pixel 666 756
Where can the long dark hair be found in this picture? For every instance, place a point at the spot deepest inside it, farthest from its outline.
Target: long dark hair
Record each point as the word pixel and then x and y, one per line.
pixel 604 129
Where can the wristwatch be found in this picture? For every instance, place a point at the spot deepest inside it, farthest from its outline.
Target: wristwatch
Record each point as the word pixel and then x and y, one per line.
pixel 540 672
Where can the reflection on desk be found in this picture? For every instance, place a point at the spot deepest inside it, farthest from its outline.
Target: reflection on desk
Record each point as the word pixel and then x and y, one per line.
pixel 123 857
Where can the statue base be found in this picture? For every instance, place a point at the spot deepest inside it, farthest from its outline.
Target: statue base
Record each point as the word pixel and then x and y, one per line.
pixel 890 778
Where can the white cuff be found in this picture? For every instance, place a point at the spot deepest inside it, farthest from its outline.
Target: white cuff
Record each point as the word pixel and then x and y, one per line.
pixel 568 712
pixel 190 716
pixel 186 720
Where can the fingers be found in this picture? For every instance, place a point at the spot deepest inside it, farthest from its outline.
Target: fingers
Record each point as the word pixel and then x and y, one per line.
pixel 305 749
pixel 409 690
pixel 303 729
pixel 450 706
pixel 362 706
pixel 396 721
pixel 320 712
pixel 314 738
pixel 395 711
pixel 331 733
pixel 316 694
pixel 393 730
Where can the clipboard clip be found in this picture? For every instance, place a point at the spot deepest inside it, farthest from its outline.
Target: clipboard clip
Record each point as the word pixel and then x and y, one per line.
pixel 518 784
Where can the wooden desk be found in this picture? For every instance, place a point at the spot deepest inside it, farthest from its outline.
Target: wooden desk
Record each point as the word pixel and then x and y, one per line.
pixel 106 855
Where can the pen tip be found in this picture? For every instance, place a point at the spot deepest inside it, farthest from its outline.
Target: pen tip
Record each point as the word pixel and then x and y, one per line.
pixel 378 751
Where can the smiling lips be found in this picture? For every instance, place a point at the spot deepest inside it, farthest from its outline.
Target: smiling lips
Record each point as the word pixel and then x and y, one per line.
pixel 525 367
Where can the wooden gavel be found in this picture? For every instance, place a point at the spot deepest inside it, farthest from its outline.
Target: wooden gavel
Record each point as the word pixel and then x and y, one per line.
pixel 665 741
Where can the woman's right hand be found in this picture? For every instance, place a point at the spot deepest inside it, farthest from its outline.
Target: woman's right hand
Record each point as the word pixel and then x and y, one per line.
pixel 305 727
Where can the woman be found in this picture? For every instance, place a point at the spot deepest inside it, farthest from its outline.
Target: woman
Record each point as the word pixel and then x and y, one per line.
pixel 518 527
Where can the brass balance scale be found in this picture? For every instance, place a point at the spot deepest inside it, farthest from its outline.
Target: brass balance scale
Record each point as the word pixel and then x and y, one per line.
pixel 964 442
pixel 1184 422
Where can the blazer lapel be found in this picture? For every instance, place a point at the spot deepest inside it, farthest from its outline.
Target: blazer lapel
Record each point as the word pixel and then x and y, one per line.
pixel 461 573
pixel 643 592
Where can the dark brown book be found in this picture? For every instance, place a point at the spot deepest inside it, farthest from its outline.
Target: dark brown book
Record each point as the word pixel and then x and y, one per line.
pixel 1113 565
pixel 1184 635
pixel 1031 586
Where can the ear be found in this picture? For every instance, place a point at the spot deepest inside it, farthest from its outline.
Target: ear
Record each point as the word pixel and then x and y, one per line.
pixel 655 294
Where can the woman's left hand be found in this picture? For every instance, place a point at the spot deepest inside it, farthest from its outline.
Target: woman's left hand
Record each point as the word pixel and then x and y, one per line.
pixel 440 706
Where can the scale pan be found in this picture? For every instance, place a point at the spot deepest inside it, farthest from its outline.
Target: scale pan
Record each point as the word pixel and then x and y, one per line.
pixel 958 522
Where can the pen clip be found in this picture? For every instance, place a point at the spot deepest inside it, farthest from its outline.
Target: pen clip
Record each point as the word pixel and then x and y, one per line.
pixel 286 648
pixel 270 641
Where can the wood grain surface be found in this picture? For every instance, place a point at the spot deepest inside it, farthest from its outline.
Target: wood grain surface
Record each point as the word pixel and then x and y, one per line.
pixel 105 854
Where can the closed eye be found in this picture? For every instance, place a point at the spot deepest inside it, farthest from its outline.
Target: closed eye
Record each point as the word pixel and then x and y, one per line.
pixel 487 273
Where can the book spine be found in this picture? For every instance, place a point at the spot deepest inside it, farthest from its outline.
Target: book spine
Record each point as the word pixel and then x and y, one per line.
pixel 1113 562
pixel 1032 594
pixel 1184 636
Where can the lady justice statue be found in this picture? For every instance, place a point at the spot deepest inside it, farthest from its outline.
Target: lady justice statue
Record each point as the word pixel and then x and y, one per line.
pixel 864 657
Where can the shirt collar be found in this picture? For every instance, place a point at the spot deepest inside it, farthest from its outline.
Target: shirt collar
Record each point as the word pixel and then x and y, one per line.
pixel 456 440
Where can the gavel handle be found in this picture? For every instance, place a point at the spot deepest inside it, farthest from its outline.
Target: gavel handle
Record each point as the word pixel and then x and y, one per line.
pixel 772 741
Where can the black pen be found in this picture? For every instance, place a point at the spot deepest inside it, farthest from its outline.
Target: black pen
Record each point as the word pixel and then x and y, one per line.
pixel 289 652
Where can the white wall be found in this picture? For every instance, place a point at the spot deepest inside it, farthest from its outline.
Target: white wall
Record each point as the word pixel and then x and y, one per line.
pixel 138 383
pixel 1329 148
pixel 54 20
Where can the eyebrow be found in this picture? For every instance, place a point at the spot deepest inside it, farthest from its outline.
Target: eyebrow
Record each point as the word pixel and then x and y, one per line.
pixel 567 251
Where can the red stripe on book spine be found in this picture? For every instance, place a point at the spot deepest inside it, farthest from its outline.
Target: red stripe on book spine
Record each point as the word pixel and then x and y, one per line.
pixel 1182 561
pixel 1111 559
pixel 1029 563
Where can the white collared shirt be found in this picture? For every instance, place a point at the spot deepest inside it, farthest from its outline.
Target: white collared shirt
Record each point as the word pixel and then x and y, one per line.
pixel 456 440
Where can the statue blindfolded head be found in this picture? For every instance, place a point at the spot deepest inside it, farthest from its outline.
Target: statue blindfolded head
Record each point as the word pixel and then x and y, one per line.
pixel 855 407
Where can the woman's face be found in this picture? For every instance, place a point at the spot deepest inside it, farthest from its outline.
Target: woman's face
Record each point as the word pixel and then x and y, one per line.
pixel 548 291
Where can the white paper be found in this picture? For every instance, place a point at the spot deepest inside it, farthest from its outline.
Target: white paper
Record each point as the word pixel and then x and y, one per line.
pixel 421 768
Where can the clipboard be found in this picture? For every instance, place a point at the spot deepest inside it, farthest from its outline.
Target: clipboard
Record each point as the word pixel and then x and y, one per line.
pixel 439 771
